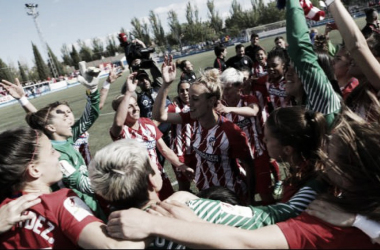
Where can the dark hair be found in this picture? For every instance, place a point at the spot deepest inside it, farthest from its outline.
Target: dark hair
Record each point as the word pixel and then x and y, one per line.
pixel 281 53
pixel 302 129
pixel 18 148
pixel 326 63
pixel 220 194
pixel 369 13
pixel 181 64
pixel 219 49
pixel 254 35
pixel 42 117
pixel 239 46
pixel 321 43
pixel 278 38
pixel 357 163
pixel 373 42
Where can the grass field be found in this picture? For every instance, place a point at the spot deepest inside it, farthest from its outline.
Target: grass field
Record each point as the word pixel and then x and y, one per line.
pixel 13 116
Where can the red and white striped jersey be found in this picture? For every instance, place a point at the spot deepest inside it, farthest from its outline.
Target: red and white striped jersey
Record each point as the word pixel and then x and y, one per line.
pixel 181 133
pixel 277 94
pixel 216 151
pixel 250 125
pixel 258 70
pixel 147 133
pixel 259 89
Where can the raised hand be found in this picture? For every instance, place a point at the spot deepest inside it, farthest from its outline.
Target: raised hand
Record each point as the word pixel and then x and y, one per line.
pixel 168 70
pixel 130 83
pixel 113 76
pixel 13 89
pixel 90 79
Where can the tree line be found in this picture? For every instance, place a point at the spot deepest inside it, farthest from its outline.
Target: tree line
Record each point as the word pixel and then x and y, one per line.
pixel 193 31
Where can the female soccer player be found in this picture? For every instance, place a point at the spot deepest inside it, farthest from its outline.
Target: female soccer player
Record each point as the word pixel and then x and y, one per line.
pixel 181 134
pixel 128 124
pixel 217 144
pixel 29 164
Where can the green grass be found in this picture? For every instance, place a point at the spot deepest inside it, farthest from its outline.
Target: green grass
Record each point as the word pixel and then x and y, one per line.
pixel 13 116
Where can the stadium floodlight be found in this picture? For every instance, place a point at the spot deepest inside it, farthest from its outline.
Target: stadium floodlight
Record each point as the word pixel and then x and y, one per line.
pixel 31 10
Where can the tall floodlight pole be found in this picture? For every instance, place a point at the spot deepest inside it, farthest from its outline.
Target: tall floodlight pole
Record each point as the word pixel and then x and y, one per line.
pixel 31 10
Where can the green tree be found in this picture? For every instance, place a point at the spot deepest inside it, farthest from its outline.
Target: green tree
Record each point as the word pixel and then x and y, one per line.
pixel 42 69
pixel 176 35
pixel 216 22
pixel 84 51
pixel 57 63
pixel 75 57
pixel 5 71
pixel 66 55
pixel 158 30
pixel 23 76
pixel 140 31
pixel 111 47
pixel 97 48
pixel 270 13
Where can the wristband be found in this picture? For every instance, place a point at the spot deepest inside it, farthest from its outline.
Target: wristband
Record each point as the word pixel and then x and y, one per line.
pixel 369 227
pixel 23 101
pixel 106 85
pixel 329 2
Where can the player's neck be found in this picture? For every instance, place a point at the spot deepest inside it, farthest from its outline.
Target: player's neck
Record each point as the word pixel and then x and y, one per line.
pixel 210 120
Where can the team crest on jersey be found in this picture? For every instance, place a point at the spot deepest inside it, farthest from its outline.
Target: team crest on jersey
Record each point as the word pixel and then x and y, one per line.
pixel 245 62
pixel 77 208
pixel 145 102
pixel 211 141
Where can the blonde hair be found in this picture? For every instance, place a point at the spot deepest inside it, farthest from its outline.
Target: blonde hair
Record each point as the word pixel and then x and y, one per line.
pixel 120 173
pixel 211 81
pixel 117 100
pixel 232 77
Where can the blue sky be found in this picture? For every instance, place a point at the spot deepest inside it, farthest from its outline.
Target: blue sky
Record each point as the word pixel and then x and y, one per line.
pixel 66 21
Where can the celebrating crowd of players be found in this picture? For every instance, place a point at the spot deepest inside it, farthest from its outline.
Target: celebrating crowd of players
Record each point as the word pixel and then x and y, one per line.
pixel 230 127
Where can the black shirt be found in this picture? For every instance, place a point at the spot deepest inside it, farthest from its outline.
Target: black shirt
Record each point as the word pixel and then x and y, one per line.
pixel 251 51
pixel 238 62
pixel 220 64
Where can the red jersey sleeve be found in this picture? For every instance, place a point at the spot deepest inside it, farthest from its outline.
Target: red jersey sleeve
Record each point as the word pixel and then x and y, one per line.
pixel 185 117
pixel 144 120
pixel 308 232
pixel 250 99
pixel 171 108
pixel 239 147
pixel 73 215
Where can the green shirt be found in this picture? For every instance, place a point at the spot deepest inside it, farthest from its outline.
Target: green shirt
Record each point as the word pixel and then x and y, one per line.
pixel 251 217
pixel 73 166
pixel 320 94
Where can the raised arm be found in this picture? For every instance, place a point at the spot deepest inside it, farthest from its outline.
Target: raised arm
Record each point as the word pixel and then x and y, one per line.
pixel 122 110
pixel 355 43
pixel 320 94
pixel 17 92
pixel 91 111
pixel 159 108
pixel 112 77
